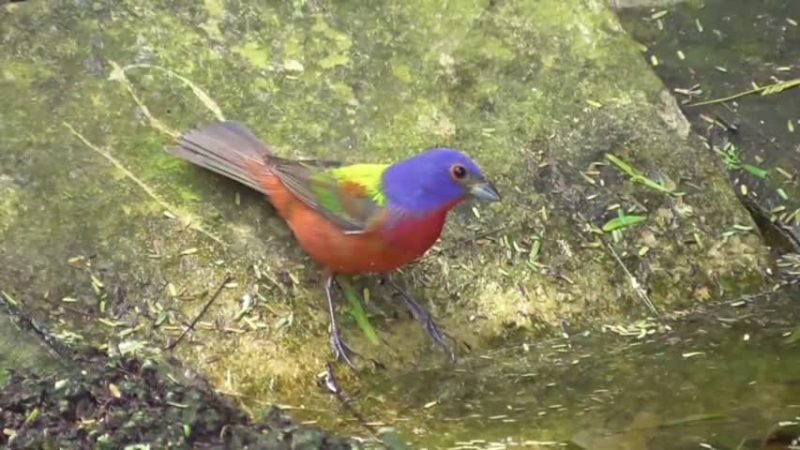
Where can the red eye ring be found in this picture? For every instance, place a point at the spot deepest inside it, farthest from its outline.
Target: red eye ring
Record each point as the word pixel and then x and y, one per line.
pixel 458 172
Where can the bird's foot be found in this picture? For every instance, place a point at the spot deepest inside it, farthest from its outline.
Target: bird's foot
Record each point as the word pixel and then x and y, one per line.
pixel 437 336
pixel 342 351
pixel 424 317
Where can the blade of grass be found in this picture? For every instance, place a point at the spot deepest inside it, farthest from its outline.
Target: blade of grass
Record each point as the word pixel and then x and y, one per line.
pixel 637 177
pixel 622 222
pixel 689 420
pixel 757 172
pixel 357 311
pixel 769 89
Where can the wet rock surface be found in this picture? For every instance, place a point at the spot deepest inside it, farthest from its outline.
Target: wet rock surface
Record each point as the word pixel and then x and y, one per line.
pixel 744 54
pixel 113 242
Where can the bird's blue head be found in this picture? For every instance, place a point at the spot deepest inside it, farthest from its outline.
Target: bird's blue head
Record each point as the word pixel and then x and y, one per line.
pixel 435 179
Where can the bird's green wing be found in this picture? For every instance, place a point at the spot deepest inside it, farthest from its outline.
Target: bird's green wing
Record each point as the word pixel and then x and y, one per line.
pixel 349 196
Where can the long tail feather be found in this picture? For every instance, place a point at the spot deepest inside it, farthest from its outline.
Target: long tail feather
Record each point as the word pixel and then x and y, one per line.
pixel 227 148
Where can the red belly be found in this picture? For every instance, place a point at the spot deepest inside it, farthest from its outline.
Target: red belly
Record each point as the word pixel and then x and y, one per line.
pixel 351 254
pixel 374 252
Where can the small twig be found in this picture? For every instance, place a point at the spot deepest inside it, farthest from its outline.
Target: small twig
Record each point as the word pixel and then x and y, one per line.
pixel 26 323
pixel 197 318
pixel 764 90
pixel 185 218
pixel 637 288
pixel 119 73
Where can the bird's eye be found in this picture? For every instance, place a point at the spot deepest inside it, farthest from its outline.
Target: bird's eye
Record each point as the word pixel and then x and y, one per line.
pixel 458 172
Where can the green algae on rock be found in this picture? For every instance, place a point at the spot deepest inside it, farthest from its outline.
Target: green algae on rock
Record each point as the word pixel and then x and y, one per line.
pixel 536 91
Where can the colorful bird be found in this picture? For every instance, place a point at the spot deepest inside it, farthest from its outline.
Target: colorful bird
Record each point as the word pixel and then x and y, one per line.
pixel 351 219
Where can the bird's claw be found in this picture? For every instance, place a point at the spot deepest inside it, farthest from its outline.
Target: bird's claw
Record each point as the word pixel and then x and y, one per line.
pixel 434 332
pixel 438 336
pixel 342 351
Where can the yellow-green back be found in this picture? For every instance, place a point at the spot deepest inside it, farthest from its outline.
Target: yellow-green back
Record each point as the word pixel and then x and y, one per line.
pixel 367 176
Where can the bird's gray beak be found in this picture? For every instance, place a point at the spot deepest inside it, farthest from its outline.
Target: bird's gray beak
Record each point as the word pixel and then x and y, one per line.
pixel 485 191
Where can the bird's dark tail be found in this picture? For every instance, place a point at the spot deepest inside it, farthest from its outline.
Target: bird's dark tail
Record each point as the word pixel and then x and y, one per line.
pixel 229 149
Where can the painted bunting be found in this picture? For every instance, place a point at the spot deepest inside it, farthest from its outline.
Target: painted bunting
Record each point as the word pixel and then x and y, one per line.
pixel 351 219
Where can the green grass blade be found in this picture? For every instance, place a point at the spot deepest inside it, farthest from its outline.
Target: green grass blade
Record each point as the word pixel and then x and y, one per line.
pixel 357 311
pixel 636 176
pixel 757 172
pixel 622 222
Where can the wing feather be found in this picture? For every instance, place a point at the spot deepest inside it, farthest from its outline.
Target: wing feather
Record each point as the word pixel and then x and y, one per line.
pixel 351 205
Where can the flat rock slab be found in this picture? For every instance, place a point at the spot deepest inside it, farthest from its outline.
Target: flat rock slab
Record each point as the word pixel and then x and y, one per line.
pixel 111 239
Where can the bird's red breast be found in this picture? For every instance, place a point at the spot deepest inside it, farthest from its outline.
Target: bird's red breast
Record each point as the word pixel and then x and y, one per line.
pixel 377 251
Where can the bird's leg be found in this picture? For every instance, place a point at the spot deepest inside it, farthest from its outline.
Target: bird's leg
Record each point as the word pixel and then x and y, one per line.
pixel 421 314
pixel 341 350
